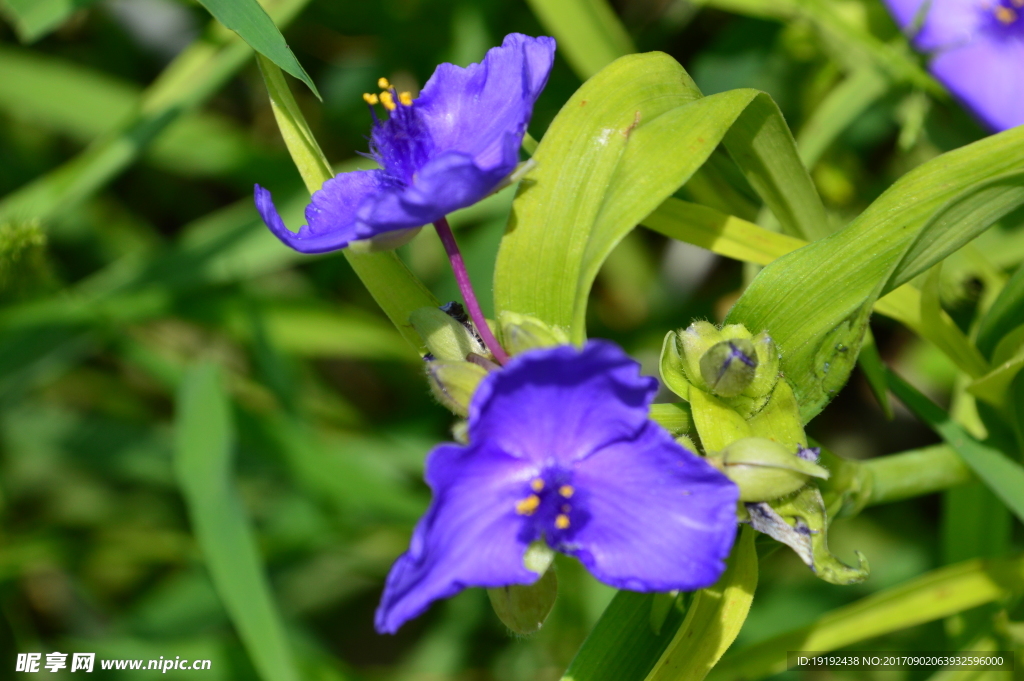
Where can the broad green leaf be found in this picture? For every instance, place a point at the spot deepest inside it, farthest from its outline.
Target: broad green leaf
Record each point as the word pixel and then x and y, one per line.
pixel 204 444
pixel 735 238
pixel 589 34
pixel 959 221
pixel 1006 313
pixel 623 646
pixel 392 285
pixel 932 596
pixel 33 19
pixel 194 75
pixel 999 472
pixel 832 284
pixel 635 133
pixel 714 619
pixel 250 21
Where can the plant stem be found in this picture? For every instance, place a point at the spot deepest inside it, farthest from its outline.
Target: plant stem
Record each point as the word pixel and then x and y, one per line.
pixel 915 473
pixel 444 231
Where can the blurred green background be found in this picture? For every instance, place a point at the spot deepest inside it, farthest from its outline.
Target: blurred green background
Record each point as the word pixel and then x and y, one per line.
pixel 130 137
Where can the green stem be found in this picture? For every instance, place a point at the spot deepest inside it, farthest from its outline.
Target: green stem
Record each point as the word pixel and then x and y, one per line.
pixel 914 473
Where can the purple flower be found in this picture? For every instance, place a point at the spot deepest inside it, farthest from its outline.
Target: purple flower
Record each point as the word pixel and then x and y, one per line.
pixel 445 150
pixel 979 52
pixel 561 450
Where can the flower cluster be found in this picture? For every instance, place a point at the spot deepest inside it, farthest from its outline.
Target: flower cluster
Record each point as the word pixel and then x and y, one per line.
pixel 561 450
pixel 445 150
pixel 978 48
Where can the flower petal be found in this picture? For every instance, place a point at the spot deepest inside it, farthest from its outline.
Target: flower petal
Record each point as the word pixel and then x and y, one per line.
pixel 988 77
pixel 472 109
pixel 470 535
pixel 331 214
pixel 558 405
pixel 657 517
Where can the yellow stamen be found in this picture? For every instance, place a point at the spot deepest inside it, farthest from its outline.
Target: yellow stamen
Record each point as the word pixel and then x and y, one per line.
pixel 387 100
pixel 528 505
pixel 405 98
pixel 370 99
pixel 383 83
pixel 1005 15
pixel 537 484
pixel 566 491
pixel 562 522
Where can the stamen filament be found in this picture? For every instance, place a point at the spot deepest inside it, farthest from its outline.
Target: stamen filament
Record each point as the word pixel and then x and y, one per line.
pixel 444 231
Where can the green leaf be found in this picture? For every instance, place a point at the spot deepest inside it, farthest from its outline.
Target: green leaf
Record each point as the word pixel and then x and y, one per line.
pixel 932 596
pixel 588 32
pixel 832 284
pixel 714 619
pixel 1001 474
pixel 392 285
pixel 675 417
pixel 621 145
pixel 33 19
pixel 204 443
pixel 249 20
pixel 1006 313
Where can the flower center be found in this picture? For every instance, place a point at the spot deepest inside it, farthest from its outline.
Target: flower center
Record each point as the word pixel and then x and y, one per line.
pixel 548 505
pixel 387 96
pixel 1004 18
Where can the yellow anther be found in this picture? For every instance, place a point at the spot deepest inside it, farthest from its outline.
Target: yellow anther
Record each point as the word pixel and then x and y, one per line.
pixel 370 99
pixel 405 98
pixel 528 505
pixel 1005 15
pixel 536 484
pixel 383 83
pixel 387 100
pixel 566 491
pixel 562 522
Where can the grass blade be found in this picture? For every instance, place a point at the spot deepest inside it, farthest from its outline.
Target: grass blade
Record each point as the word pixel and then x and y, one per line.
pixel 204 443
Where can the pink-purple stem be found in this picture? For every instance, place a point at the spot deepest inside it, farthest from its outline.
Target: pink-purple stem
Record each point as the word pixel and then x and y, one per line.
pixel 444 231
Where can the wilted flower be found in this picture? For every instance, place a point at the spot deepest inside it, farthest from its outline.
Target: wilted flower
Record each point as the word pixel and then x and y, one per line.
pixel 443 151
pixel 561 450
pixel 979 50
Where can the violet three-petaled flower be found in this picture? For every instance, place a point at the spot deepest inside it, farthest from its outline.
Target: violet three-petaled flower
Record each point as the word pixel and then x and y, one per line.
pixel 561 449
pixel 445 150
pixel 978 48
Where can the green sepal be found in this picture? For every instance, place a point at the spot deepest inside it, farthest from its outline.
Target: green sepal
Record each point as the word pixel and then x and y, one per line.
pixel 767 366
pixel 717 424
pixel 520 333
pixel 694 341
pixel 453 383
pixel 673 374
pixel 779 420
pixel 445 337
pixel 524 607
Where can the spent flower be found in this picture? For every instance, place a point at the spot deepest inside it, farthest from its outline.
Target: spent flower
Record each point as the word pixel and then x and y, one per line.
pixel 561 451
pixel 445 150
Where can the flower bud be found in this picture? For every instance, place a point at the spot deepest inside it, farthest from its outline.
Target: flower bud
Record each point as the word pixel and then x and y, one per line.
pixel 453 383
pixel 445 336
pixel 524 607
pixel 520 333
pixel 764 469
pixel 729 367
